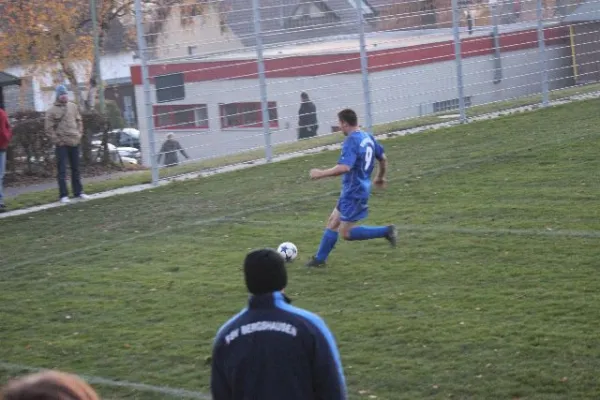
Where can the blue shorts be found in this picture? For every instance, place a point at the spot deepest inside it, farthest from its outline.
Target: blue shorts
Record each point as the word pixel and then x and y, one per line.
pixel 352 210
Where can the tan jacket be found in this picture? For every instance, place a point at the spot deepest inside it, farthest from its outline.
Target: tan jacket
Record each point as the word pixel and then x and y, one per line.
pixel 63 124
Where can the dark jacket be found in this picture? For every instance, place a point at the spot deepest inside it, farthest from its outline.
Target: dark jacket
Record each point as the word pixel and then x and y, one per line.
pixel 273 350
pixel 307 115
pixel 170 148
pixel 5 131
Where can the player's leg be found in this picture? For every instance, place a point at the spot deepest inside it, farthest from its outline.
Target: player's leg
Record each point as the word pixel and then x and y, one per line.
pixel 357 210
pixel 328 241
pixel 362 232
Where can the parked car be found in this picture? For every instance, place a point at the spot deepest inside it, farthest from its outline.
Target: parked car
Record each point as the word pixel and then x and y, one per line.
pixel 128 155
pixel 126 137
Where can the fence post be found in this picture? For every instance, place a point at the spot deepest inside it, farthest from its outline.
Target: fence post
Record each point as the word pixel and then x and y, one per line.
pixel 142 49
pixel 364 67
pixel 542 51
pixel 260 61
pixel 497 60
pixel 458 60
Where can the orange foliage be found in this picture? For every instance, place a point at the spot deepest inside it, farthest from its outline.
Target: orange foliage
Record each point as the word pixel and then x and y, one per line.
pixel 44 34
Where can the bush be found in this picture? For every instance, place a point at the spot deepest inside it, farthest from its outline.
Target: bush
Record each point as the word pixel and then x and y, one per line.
pixel 30 145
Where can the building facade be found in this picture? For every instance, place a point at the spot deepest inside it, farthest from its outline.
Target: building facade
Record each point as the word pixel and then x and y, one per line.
pixel 213 105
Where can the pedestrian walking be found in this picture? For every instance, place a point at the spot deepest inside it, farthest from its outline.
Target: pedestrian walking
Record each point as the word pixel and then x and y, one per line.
pixel 170 148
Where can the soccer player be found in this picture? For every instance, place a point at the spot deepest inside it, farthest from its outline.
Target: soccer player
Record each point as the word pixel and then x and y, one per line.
pixel 356 164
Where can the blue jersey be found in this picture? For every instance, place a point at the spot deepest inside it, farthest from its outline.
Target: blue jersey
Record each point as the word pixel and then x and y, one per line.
pixel 359 152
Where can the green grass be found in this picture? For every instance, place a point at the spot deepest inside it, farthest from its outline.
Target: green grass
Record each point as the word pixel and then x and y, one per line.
pixel 492 294
pixel 48 196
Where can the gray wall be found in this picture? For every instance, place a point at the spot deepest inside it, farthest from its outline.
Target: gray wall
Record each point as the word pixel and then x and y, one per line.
pixel 396 94
pixel 19 97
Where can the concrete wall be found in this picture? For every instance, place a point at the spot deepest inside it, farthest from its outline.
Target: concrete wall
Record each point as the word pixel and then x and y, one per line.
pixel 396 95
pixel 202 33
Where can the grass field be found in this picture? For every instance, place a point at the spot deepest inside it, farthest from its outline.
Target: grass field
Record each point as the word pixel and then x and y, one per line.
pixel 492 294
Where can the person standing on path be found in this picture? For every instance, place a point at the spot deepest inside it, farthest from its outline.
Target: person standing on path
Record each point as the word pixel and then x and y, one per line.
pixel 5 137
pixel 65 127
pixel 308 125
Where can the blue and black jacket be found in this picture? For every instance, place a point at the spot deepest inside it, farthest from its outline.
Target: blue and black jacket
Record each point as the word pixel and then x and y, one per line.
pixel 273 350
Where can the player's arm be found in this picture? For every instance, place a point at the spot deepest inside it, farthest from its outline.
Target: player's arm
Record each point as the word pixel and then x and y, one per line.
pixel 383 165
pixel 339 169
pixel 345 163
pixel 218 380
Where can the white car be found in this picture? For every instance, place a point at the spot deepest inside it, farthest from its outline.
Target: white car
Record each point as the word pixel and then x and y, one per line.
pixel 129 155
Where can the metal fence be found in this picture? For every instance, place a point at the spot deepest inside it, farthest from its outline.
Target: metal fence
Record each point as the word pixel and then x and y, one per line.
pixel 230 79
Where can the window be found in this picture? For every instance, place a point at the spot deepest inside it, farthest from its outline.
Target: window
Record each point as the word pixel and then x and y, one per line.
pixel 169 87
pixel 189 116
pixel 246 115
pixel 447 105
pixel 367 10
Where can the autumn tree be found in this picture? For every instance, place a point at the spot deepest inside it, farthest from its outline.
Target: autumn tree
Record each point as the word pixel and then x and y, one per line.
pixel 45 34
pixel 58 34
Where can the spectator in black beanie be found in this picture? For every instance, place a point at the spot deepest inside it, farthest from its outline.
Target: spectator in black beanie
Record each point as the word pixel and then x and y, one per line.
pixel 271 349
pixel 308 125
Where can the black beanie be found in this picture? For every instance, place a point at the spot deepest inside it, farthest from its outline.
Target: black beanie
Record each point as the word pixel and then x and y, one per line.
pixel 264 271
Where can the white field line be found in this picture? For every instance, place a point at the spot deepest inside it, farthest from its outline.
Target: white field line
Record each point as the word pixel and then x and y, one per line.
pixel 288 156
pixel 587 234
pixel 236 215
pixel 96 380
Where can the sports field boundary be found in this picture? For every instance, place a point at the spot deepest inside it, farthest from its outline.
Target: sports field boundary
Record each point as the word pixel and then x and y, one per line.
pixel 292 155
pixel 100 381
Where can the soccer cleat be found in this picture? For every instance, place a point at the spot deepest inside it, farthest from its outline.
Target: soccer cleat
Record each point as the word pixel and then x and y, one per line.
pixel 392 235
pixel 65 200
pixel 83 196
pixel 314 263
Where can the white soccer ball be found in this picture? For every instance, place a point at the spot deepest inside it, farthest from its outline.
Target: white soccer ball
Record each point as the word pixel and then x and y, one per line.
pixel 288 251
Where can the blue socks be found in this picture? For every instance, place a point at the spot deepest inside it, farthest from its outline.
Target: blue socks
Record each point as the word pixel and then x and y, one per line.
pixel 330 238
pixel 368 232
pixel 327 244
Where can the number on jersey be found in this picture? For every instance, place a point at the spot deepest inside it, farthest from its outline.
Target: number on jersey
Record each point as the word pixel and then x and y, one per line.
pixel 368 157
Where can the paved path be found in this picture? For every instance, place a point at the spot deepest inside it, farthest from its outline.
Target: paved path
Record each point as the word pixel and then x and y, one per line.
pixel 51 184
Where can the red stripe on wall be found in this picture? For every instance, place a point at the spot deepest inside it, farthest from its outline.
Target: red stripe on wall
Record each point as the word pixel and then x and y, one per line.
pixel 350 63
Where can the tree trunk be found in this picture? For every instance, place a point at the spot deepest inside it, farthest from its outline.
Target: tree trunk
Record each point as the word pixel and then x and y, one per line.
pixel 94 84
pixel 70 73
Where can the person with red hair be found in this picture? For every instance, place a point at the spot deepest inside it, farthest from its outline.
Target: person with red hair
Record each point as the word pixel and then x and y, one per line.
pixel 49 385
